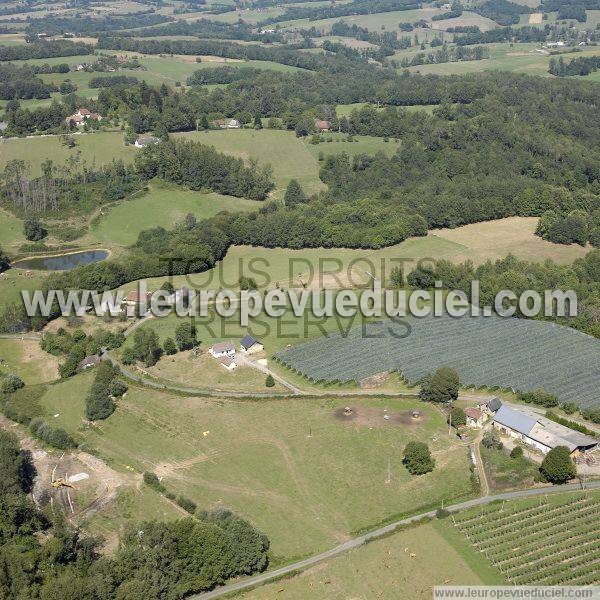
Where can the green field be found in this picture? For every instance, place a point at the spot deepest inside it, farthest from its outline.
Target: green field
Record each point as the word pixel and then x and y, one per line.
pixel 11 230
pixel 384 569
pixel 25 359
pixel 549 541
pixel 335 268
pixel 308 480
pixel 373 22
pixel 289 156
pixel 164 205
pixel 170 70
pixel 94 149
pixel 520 58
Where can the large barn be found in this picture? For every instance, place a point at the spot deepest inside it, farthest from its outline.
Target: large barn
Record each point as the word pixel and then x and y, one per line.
pixel 541 433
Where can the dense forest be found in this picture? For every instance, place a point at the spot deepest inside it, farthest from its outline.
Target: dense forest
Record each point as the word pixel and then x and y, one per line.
pixel 44 557
pixel 44 49
pixel 583 276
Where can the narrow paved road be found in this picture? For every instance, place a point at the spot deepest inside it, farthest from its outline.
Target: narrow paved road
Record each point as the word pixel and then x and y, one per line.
pixel 257 580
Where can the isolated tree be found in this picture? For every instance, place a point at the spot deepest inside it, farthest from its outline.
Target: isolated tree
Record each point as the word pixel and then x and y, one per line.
pixel 270 382
pixel 169 346
pixel 34 231
pixel 185 336
pixel 457 416
pixel 293 194
pixel 442 387
pixel 557 466
pixel 417 458
pixel 146 347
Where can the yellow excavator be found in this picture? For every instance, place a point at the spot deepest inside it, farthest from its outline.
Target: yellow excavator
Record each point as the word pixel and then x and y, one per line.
pixel 58 483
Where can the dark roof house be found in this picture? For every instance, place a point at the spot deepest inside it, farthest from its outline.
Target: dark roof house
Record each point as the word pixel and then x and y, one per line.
pixel 248 341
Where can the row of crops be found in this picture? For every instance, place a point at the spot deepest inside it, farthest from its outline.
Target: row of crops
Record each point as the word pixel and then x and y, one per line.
pixel 492 351
pixel 538 542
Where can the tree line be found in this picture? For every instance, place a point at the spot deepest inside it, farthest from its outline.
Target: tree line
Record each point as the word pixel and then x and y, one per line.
pixel 355 7
pixel 44 49
pixel 582 65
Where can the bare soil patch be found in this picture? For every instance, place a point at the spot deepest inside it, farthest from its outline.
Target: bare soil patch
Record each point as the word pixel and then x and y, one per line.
pixel 367 416
pixel 535 18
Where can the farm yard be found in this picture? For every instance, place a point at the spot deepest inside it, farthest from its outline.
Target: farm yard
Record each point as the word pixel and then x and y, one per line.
pixel 486 351
pixel 552 541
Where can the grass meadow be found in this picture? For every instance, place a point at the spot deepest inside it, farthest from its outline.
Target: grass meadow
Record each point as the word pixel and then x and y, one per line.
pixel 382 568
pixel 163 205
pixel 26 359
pixel 309 480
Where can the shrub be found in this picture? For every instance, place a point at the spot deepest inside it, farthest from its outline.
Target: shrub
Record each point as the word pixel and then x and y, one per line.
pixel 169 346
pixel 152 480
pixel 186 504
pixel 516 452
pixel 11 383
pixel 270 382
pixel 491 440
pixel 457 417
pixel 539 396
pixel 569 407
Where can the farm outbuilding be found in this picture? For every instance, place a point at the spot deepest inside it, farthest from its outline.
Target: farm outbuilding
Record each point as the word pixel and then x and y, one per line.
pixel 541 433
pixel 475 418
pixel 250 345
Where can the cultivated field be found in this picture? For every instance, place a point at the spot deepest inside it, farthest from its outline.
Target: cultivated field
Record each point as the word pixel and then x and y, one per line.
pixel 486 351
pixel 551 541
pixel 384 567
pixel 306 476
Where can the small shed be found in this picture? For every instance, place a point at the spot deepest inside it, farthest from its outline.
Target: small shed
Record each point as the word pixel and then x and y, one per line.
pixel 89 361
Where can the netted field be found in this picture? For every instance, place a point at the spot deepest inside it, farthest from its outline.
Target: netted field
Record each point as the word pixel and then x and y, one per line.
pixel 486 351
pixel 539 543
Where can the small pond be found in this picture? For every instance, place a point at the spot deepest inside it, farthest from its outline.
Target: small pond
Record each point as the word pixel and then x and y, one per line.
pixel 63 262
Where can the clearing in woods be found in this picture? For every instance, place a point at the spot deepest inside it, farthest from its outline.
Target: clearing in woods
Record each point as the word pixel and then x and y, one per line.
pixel 223 454
pixel 535 18
pixel 164 205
